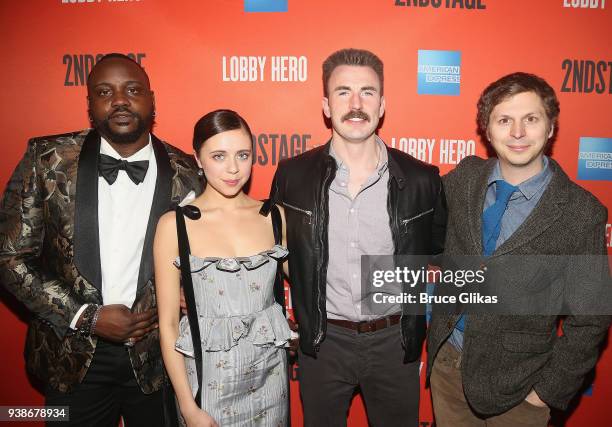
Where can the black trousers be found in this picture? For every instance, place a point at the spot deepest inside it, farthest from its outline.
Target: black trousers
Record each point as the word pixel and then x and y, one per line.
pixel 371 363
pixel 109 391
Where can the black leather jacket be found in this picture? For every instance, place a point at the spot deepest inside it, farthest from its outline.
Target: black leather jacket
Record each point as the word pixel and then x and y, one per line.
pixel 417 214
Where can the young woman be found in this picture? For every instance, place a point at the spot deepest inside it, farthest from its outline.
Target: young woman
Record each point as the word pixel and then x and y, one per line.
pixel 233 265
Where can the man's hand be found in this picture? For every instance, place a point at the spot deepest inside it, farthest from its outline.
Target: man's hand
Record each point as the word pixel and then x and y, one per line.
pixel 117 323
pixel 535 400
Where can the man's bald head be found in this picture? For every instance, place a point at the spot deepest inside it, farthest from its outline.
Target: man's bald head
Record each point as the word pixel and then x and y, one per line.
pixel 121 103
pixel 116 57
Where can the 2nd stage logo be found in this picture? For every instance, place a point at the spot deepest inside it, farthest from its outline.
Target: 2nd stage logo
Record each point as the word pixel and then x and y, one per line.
pixel 448 4
pixel 78 66
pixel 587 76
pixel 271 148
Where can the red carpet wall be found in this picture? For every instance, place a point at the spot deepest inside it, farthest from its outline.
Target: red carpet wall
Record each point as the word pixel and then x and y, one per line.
pixel 204 55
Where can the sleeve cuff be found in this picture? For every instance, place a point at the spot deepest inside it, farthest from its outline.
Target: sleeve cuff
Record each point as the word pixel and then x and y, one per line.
pixel 76 317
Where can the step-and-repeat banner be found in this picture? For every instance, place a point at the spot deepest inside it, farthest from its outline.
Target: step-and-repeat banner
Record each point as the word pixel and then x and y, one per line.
pixel 263 59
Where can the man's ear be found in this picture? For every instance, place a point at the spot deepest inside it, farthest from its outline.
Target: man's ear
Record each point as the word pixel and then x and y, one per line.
pixel 89 108
pixel 325 104
pixel 552 130
pixel 381 110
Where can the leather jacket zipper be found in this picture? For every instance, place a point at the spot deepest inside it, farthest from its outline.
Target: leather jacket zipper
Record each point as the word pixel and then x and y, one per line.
pixel 322 267
pixel 406 221
pixel 295 208
pixel 395 233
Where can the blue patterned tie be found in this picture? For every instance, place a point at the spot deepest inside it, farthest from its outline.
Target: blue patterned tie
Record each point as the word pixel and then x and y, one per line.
pixel 491 225
pixel 492 216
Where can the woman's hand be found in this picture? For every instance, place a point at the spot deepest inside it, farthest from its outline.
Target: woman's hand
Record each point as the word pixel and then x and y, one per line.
pixel 294 343
pixel 196 417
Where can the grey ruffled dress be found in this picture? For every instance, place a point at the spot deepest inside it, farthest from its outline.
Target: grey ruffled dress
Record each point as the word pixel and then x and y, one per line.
pixel 243 334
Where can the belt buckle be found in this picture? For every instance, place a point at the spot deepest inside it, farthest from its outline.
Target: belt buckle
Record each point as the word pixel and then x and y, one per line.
pixel 364 326
pixel 372 325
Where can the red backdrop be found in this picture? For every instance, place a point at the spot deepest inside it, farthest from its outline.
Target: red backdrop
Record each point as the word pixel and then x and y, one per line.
pixel 187 48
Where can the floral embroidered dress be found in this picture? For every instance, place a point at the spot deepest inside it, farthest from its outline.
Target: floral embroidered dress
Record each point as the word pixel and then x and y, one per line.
pixel 243 333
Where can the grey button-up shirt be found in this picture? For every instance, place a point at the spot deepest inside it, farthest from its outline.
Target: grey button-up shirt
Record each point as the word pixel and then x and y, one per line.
pixel 357 226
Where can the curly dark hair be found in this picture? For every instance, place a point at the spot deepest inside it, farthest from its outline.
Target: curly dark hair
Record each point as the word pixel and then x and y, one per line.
pixel 511 85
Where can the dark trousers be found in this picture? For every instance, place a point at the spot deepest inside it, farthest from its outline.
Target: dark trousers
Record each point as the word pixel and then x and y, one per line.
pixel 450 405
pixel 349 362
pixel 109 391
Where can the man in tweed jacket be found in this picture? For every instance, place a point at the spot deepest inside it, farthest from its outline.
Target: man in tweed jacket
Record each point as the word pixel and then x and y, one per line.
pixel 492 370
pixel 82 264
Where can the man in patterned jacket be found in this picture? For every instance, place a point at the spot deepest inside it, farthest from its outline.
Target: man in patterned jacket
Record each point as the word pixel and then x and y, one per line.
pixel 76 233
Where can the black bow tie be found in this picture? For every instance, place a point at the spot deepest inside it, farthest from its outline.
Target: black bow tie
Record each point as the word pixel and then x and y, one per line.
pixel 108 168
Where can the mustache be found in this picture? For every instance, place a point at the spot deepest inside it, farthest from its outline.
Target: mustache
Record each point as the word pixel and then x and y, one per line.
pixel 356 114
pixel 123 110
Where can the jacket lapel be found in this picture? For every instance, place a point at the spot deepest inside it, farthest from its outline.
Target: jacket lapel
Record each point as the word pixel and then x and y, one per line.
pixel 161 203
pixel 476 191
pixel 86 239
pixel 395 171
pixel 546 212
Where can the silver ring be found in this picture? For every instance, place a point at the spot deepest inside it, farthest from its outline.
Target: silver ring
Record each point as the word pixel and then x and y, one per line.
pixel 130 342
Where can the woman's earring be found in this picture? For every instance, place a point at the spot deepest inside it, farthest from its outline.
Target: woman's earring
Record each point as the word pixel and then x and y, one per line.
pixel 200 172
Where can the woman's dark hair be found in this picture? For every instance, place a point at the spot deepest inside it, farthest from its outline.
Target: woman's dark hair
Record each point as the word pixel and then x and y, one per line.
pixel 216 122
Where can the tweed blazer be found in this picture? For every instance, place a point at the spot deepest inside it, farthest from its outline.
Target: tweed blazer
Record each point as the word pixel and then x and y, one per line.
pixel 504 357
pixel 50 254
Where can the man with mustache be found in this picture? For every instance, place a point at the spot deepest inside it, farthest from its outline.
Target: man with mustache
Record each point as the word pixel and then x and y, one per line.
pixel 76 231
pixel 355 196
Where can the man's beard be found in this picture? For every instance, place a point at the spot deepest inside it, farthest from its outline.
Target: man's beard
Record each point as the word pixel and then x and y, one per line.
pixel 142 126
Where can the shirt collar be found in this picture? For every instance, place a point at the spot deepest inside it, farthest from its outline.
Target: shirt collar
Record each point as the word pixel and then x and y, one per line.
pixel 383 159
pixel 143 154
pixel 530 187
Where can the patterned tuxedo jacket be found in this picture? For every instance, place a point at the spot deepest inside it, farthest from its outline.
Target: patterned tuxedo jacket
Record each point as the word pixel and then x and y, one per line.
pixel 50 254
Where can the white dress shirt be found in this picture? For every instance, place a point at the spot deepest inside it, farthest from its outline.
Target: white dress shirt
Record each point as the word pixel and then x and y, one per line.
pixel 123 216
